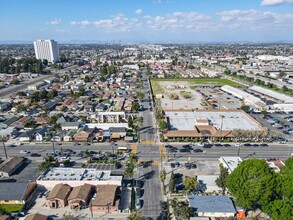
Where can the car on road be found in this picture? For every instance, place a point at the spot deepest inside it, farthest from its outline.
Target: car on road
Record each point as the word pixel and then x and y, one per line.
pixel 24 152
pixel 197 150
pixel 218 145
pixel 207 146
pixel 184 150
pixel 263 145
pixel 187 146
pixel 247 145
pixel 226 145
pixel 255 145
pixel 35 155
pixel 137 204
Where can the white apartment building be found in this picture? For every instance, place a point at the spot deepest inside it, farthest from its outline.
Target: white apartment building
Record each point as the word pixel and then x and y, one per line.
pixel 46 50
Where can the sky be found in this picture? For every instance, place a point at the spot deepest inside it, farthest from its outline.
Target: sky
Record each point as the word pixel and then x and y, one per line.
pixel 147 20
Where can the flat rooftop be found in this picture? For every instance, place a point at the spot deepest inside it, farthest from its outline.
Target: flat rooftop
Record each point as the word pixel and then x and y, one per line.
pixel 76 174
pixel 230 162
pixel 180 120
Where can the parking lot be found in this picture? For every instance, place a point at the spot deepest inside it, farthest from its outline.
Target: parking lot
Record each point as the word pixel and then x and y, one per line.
pixel 219 99
pixel 281 125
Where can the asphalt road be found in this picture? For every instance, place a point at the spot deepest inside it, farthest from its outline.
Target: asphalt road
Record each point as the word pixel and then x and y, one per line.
pixel 273 151
pixel 22 86
pixel 148 130
pixel 152 194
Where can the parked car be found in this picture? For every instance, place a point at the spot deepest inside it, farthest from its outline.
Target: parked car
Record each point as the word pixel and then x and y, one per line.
pixel 137 204
pixel 184 150
pixel 197 150
pixel 263 145
pixel 138 192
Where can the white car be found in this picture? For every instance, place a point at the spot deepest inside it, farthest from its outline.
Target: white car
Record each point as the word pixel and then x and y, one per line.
pixel 24 152
pixel 137 204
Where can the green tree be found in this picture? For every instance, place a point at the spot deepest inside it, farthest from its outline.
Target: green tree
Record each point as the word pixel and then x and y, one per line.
pixel 139 95
pixel 190 184
pixel 172 183
pixel 222 179
pixel 281 209
pixel 53 93
pixel 163 175
pixel 47 163
pixel 253 184
pixel 135 107
pixel 186 212
pixel 245 108
pixel 135 215
pixel 130 122
pixel 87 79
pixel 163 125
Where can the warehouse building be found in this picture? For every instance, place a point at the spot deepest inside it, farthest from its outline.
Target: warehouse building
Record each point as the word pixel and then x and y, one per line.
pixel 247 98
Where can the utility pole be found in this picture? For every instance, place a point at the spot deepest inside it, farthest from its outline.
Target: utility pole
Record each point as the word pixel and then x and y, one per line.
pixel 4 139
pixel 4 149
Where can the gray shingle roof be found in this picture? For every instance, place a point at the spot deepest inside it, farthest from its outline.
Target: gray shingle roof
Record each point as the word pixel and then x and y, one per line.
pixel 18 190
pixel 211 204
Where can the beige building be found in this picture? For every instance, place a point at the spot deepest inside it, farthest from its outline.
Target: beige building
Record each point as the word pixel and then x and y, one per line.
pixel 80 196
pixel 58 196
pixel 107 199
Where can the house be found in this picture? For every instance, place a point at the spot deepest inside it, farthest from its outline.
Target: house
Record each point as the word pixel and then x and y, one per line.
pixel 70 125
pixel 58 196
pixel 21 192
pixel 80 196
pixel 84 134
pixel 27 135
pixel 117 132
pixel 4 106
pixel 36 216
pixel 41 120
pixel 58 136
pixel 107 199
pixel 69 135
pixel 11 120
pixel 8 166
pixel 212 206
pixel 36 86
pixel 50 105
pixel 40 135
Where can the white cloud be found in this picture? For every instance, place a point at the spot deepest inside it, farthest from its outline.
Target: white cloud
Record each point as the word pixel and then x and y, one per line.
pixel 55 22
pixel 138 11
pixel 253 19
pixel 193 24
pixel 275 2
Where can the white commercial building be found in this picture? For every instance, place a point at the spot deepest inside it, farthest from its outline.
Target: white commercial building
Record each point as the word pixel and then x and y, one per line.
pixel 46 50
pixel 275 95
pixel 77 177
pixel 246 97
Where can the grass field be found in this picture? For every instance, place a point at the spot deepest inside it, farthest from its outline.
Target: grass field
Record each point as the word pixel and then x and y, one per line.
pixel 157 89
pixel 8 208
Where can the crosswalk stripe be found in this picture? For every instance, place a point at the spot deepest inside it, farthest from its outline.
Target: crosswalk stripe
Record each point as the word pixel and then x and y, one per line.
pixel 133 148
